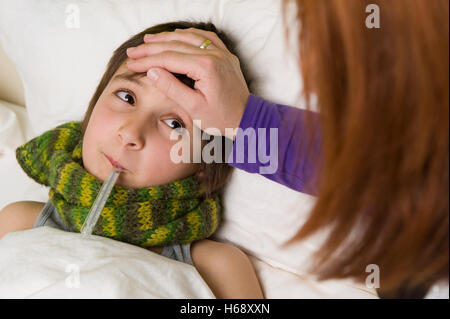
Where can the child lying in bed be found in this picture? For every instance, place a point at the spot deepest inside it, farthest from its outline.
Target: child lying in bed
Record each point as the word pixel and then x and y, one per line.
pixel 167 207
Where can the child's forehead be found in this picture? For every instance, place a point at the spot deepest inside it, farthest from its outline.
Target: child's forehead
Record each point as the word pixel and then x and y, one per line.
pixel 123 73
pixel 130 77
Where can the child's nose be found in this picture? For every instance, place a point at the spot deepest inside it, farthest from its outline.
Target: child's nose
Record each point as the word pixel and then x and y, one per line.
pixel 131 138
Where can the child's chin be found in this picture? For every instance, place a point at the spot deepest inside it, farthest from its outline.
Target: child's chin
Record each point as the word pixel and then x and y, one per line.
pixel 121 181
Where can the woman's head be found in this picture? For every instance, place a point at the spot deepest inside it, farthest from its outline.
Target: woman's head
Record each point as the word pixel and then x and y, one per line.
pixel 383 95
pixel 130 121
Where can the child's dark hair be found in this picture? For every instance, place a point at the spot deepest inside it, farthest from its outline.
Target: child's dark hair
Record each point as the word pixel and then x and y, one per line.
pixel 214 175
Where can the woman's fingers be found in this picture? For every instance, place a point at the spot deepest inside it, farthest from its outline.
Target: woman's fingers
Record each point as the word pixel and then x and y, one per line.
pixel 152 48
pixel 172 61
pixel 193 36
pixel 211 36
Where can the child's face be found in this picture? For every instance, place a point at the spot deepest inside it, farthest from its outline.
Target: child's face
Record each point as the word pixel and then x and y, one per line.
pixel 131 123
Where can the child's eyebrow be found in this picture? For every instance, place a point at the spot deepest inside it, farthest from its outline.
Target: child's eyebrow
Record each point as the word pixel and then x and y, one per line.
pixel 131 77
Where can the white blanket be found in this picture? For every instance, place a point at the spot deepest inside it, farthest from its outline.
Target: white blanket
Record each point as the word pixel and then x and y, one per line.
pixel 49 263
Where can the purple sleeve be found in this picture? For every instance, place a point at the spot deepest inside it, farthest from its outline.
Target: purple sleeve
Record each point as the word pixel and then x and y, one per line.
pixel 272 141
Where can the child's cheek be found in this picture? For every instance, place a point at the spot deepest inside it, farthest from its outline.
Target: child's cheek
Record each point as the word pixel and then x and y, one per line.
pixel 98 128
pixel 103 116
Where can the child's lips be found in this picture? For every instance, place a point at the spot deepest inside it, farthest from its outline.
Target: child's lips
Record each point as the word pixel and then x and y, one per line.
pixel 115 163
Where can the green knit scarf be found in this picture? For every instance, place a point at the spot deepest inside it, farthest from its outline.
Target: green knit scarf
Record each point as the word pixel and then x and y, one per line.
pixel 173 213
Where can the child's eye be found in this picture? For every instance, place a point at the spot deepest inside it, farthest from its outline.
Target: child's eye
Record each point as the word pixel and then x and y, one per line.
pixel 125 96
pixel 174 124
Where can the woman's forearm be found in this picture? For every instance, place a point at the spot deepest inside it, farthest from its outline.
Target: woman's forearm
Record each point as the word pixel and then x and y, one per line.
pixel 273 141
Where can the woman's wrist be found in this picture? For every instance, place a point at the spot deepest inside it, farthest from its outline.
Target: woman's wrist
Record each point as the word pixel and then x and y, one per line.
pixel 231 130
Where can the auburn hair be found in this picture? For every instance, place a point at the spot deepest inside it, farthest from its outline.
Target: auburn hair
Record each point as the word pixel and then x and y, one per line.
pixel 383 99
pixel 215 175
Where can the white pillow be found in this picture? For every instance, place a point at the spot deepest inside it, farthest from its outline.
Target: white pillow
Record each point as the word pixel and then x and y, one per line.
pixel 15 185
pixel 61 59
pixel 61 66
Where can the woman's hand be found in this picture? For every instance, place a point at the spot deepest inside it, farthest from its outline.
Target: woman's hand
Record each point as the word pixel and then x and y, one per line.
pixel 220 93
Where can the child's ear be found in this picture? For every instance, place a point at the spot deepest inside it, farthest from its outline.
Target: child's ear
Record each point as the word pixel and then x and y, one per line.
pixel 201 172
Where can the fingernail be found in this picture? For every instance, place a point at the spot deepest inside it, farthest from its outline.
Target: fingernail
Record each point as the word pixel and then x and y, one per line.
pixel 147 36
pixel 153 74
pixel 130 50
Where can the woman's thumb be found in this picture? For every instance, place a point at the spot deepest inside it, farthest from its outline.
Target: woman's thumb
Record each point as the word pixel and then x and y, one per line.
pixel 153 74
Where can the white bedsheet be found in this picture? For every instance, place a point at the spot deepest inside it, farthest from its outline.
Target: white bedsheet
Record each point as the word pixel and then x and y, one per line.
pixel 49 263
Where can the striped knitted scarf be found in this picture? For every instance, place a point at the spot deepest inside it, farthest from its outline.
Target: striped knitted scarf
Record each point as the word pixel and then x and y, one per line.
pixel 154 216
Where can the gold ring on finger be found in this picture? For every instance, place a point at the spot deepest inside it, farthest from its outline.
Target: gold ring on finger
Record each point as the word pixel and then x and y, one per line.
pixel 205 44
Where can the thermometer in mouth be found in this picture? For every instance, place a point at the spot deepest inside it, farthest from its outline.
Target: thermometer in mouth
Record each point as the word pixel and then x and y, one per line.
pixel 100 201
